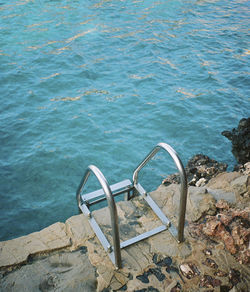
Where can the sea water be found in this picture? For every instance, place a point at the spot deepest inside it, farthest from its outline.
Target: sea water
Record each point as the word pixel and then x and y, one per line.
pixel 102 82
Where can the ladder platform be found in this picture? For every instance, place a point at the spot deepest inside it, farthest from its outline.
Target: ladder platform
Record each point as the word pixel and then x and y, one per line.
pixel 121 187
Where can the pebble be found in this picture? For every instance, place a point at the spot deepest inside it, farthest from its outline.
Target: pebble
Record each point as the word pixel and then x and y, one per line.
pixel 210 263
pixel 209 282
pixel 189 270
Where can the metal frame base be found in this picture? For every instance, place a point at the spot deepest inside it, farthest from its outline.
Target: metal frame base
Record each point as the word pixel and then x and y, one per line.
pixel 109 192
pixel 117 189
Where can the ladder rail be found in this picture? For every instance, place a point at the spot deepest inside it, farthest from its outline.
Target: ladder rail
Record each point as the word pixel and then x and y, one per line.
pixel 183 190
pixel 126 186
pixel 112 207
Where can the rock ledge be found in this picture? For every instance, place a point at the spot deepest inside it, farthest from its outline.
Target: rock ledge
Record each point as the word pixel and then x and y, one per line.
pixel 214 257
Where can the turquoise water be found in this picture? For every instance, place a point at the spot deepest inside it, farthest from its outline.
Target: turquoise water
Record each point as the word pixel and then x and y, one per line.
pixel 102 82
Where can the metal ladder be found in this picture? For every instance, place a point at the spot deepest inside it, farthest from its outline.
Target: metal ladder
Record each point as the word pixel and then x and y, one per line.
pixel 130 189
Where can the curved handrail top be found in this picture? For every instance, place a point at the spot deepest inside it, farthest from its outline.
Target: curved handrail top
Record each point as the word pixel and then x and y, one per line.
pixel 101 178
pixel 172 153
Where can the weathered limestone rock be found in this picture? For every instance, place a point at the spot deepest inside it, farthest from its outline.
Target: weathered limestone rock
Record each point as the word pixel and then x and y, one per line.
pixel 79 230
pixel 222 195
pixel 200 200
pixel 17 251
pixel 107 275
pixel 137 256
pixel 63 271
pixel 165 243
pixel 241 185
pixel 233 182
pixel 223 180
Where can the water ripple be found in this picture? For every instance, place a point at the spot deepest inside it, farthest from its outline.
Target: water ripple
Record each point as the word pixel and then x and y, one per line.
pixel 101 82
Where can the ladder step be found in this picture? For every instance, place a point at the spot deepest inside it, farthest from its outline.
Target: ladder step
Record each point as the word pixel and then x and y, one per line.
pixel 143 236
pixel 122 184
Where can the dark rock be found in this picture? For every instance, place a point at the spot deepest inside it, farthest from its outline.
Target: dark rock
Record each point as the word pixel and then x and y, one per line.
pixel 143 278
pixel 106 290
pixel 167 261
pixel 209 282
pixel 220 273
pixel 153 271
pixel 158 274
pixel 152 289
pixel 240 138
pixel 124 288
pixel 30 259
pixel 175 270
pixel 155 259
pixel 176 288
pixel 148 289
pixel 234 277
pixel 210 263
pixel 224 288
pixel 200 169
pixel 83 249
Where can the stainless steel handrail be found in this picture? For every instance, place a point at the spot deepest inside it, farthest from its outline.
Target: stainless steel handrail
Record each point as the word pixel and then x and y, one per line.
pixel 183 191
pixel 112 208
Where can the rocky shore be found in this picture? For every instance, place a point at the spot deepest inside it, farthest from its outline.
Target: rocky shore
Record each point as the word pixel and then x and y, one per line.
pixel 240 138
pixel 215 255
